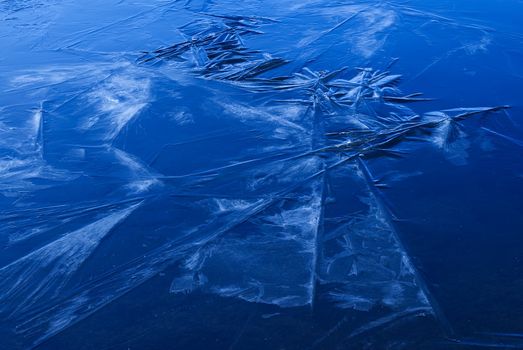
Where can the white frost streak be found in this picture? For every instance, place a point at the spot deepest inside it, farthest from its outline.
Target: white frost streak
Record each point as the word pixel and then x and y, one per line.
pixel 375 21
pixel 287 118
pixel 142 178
pixel 450 138
pixel 24 160
pixel 44 272
pixel 119 100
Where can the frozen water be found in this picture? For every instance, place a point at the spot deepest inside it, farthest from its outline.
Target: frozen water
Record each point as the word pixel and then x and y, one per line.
pixel 208 174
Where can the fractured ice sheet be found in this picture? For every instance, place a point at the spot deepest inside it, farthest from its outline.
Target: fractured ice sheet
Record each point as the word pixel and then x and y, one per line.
pixel 357 263
pixel 242 262
pixel 363 262
pixel 240 142
pixel 369 266
pixel 360 259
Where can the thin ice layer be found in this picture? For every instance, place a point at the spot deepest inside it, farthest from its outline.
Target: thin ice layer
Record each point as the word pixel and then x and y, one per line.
pixel 240 132
pixel 40 276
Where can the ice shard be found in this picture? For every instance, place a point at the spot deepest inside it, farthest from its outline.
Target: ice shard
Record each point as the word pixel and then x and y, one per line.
pixel 39 276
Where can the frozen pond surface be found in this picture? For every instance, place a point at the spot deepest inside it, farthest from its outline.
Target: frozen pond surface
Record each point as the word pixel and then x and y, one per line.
pixel 261 175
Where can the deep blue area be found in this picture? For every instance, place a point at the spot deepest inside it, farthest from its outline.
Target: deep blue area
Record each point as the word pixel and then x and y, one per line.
pixel 261 175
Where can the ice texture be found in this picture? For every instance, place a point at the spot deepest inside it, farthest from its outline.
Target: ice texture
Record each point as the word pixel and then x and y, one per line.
pixel 217 172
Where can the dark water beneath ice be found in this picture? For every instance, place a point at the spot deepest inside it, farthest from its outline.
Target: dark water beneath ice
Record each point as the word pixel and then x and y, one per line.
pixel 261 175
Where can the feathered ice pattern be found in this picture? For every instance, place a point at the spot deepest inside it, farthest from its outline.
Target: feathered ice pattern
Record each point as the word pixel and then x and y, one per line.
pixel 262 225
